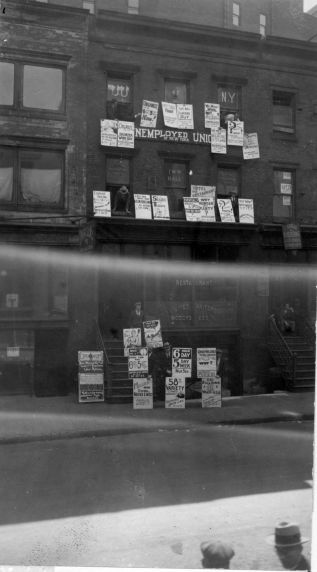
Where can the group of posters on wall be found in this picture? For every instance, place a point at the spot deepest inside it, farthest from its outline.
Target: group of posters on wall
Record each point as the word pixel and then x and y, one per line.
pixel 181 366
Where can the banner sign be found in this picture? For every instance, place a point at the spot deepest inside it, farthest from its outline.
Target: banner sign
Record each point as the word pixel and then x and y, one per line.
pixel 138 362
pixel 153 333
pixel 101 202
pixel 143 393
pixel 173 136
pixel 218 140
pixel 182 362
pixel 211 391
pixel 251 146
pixel 149 113
pixel 160 207
pixel 174 393
pixel 131 339
pixel 212 115
pixel 235 133
pixel 225 210
pixel 292 236
pixel 206 362
pixel 142 204
pixel 114 133
pixel 90 376
pixel 192 209
pixel 246 211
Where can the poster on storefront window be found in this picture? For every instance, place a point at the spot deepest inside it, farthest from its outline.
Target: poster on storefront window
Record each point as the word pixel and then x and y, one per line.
pixel 142 205
pixel 185 117
pixel 126 134
pixel 174 393
pixel 160 207
pixel 251 146
pixel 109 132
pixel 192 209
pixel 101 202
pixel 211 391
pixel 212 115
pixel 182 362
pixel 143 393
pixel 169 114
pixel 246 211
pixel 90 376
pixel 225 210
pixel 131 339
pixel 149 113
pixel 219 141
pixel 235 132
pixel 206 362
pixel 138 362
pixel 153 333
pixel 207 209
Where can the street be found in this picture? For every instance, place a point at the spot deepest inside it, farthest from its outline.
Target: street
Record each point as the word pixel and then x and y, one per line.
pixel 150 499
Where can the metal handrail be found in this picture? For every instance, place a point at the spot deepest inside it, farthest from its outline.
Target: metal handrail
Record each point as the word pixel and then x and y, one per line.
pixel 107 364
pixel 287 357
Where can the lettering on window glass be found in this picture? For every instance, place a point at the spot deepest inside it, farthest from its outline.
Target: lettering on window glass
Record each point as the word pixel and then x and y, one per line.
pixel 119 90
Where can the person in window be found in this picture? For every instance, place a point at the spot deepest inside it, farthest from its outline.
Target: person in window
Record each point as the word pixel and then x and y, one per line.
pixel 122 201
pixel 288 319
pixel 136 318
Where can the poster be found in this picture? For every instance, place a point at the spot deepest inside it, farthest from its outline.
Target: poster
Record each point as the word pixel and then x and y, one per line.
pixel 235 133
pixel 149 113
pixel 13 351
pixel 206 362
pixel 12 300
pixel 286 188
pixel 207 209
pixel 211 391
pixel 138 362
pixel 143 393
pixel 131 339
pixel 225 210
pixel 90 376
pixel 142 205
pixel 246 211
pixel 185 117
pixel 251 146
pixel 175 393
pixel 160 207
pixel 126 134
pixel 109 132
pixel 153 333
pixel 182 362
pixel 202 191
pixel 192 209
pixel 169 114
pixel 101 202
pixel 219 141
pixel 212 115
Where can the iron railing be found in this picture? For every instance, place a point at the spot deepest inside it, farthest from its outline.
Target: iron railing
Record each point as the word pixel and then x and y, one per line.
pixel 282 353
pixel 107 364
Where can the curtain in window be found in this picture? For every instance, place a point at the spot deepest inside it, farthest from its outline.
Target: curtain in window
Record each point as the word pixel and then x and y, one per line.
pixel 6 183
pixel 41 185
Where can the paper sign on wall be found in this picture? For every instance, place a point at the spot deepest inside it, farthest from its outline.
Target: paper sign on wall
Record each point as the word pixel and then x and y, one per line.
pixel 149 113
pixel 192 209
pixel 109 132
pixel 182 362
pixel 12 300
pixel 219 141
pixel 90 376
pixel 251 146
pixel 206 362
pixel 102 205
pixel 143 393
pixel 246 211
pixel 199 191
pixel 174 393
pixel 185 117
pixel 225 210
pixel 138 362
pixel 126 134
pixel 131 339
pixel 235 133
pixel 207 207
pixel 160 207
pixel 212 115
pixel 286 188
pixel 153 333
pixel 142 204
pixel 211 391
pixel 169 114
pixel 13 351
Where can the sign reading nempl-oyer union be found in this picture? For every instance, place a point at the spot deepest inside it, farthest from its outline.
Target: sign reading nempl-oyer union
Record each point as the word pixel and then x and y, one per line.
pixel 173 136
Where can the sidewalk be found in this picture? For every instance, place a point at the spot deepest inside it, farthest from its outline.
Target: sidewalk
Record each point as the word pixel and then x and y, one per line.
pixel 24 418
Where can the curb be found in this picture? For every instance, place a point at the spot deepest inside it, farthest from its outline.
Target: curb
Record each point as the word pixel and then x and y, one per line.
pixel 258 420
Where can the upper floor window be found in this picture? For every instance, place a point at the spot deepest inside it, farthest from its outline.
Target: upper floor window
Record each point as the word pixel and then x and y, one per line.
pixel 31 178
pixel 283 111
pixel 236 17
pixel 89 5
pixel 27 86
pixel 176 185
pixel 118 178
pixel 119 98
pixel 229 98
pixel 263 25
pixel 228 181
pixel 176 91
pixel 284 183
pixel 133 6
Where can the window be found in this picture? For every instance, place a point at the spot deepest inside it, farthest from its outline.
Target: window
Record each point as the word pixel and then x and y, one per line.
pixel 284 111
pixel 229 98
pixel 263 25
pixel 236 14
pixel 228 182
pixel 89 5
pixel 119 98
pixel 176 185
pixel 26 86
pixel 284 181
pixel 31 178
pixel 176 91
pixel 118 179
pixel 133 6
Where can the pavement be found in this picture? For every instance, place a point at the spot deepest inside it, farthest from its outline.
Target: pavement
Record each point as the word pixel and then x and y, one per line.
pixel 26 418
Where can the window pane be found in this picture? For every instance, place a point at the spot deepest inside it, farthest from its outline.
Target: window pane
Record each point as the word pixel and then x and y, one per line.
pixel 228 182
pixel 6 174
pixel 175 91
pixel 41 177
pixel 175 175
pixel 43 88
pixel 6 83
pixel 236 9
pixel 118 171
pixel 229 97
pixel 282 207
pixel 283 182
pixel 119 90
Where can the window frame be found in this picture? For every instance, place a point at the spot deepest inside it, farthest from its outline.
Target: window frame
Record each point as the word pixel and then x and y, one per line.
pixel 128 114
pixel 18 86
pixel 184 191
pixel 116 186
pixel 16 204
pixel 283 128
pixel 263 27
pixel 184 81
pixel 225 110
pixel 236 14
pixel 291 216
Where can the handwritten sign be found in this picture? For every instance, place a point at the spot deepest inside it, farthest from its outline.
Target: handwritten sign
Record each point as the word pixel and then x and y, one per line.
pixel 102 205
pixel 143 393
pixel 90 376
pixel 292 236
pixel 175 393
pixel 246 211
pixel 149 113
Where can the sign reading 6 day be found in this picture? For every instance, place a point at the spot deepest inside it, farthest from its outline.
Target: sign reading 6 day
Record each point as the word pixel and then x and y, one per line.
pixel 182 362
